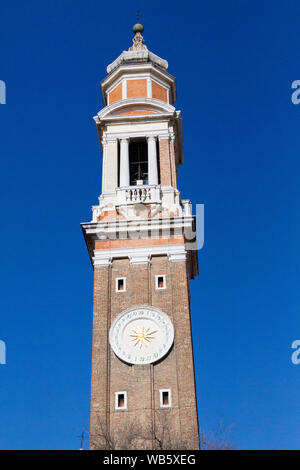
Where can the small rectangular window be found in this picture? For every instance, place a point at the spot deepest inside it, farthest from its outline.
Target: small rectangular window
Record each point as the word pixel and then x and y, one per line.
pixel 160 282
pixel 165 398
pixel 121 400
pixel 121 284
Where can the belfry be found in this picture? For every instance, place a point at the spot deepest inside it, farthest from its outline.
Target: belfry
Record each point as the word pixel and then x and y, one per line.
pixel 141 242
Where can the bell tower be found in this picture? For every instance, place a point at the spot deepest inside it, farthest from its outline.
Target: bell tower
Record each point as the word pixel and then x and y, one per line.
pixel 141 243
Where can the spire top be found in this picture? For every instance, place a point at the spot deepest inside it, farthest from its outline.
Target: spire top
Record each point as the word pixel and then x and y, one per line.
pixel 138 40
pixel 138 15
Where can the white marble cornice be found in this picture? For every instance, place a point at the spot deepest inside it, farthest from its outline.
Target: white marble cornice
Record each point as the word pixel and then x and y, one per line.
pixel 139 255
pixel 160 134
pixel 157 105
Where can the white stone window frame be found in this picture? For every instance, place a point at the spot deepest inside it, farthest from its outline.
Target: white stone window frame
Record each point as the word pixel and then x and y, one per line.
pixel 117 407
pixel 117 284
pixel 164 282
pixel 168 390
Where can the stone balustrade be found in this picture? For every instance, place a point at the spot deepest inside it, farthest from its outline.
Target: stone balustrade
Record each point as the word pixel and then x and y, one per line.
pixel 139 194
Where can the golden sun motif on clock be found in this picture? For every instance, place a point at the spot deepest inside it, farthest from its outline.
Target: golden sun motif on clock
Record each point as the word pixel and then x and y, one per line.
pixel 142 336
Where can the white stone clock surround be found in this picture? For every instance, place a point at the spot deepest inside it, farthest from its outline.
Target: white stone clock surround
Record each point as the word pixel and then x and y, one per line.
pixel 141 335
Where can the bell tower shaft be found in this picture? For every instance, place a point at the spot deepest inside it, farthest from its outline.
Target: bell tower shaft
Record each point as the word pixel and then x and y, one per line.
pixel 142 245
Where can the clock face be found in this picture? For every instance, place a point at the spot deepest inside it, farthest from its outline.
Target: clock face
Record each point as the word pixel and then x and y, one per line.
pixel 141 335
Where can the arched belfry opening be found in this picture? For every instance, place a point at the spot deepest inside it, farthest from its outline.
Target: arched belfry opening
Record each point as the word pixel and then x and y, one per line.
pixel 138 162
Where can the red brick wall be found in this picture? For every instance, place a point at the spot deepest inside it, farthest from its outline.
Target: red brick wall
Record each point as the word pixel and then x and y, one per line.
pixel 136 88
pixel 159 92
pixel 143 382
pixel 115 94
pixel 165 163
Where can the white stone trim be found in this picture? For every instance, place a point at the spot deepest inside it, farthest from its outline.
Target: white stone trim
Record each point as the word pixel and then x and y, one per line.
pixel 108 139
pixel 160 134
pixel 134 119
pixel 149 87
pixel 117 281
pixel 104 261
pixel 177 257
pixel 124 89
pixel 128 228
pixel 137 69
pixel 164 107
pixel 115 226
pixel 140 76
pixel 140 258
pixel 152 161
pixel 124 162
pixel 145 193
pixel 117 407
pixel 124 198
pixel 139 255
pixel 142 55
pixel 164 282
pixel 164 136
pixel 149 76
pixel 187 207
pixel 110 165
pixel 168 390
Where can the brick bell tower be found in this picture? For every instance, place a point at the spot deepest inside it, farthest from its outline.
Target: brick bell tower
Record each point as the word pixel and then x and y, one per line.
pixel 141 242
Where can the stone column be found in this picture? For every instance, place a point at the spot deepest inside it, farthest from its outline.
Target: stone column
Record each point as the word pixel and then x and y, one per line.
pixel 152 161
pixel 110 165
pixel 124 162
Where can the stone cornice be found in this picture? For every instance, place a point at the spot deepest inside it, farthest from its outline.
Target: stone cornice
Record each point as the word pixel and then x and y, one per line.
pixel 160 134
pixel 143 228
pixel 132 57
pixel 133 118
pixel 152 104
pixel 139 255
pixel 169 225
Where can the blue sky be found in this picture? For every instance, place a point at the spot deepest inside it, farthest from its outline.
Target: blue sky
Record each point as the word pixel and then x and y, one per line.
pixel 234 62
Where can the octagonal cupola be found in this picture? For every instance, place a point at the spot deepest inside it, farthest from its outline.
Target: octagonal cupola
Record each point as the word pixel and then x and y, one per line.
pixel 138 74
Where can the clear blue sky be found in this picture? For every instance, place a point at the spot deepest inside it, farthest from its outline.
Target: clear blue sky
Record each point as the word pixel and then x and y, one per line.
pixel 242 148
